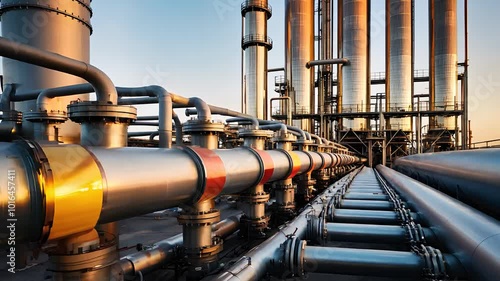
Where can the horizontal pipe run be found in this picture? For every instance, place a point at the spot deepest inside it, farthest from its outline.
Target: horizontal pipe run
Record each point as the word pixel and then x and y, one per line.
pixel 472 236
pixel 470 176
pixel 368 262
pixel 372 233
pixel 163 252
pixel 276 69
pixel 367 205
pixel 368 217
pixel 171 177
pixel 254 264
pixel 354 195
pixel 104 87
pixel 328 61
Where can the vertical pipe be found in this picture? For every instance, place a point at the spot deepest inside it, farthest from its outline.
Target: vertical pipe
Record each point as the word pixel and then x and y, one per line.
pixel 465 79
pixel 67 33
pixel 355 48
pixel 255 45
pixel 400 60
pixel 432 78
pixel 340 54
pixel 445 42
pixel 299 49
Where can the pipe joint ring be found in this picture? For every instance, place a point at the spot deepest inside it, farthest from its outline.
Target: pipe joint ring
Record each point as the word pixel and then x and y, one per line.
pixel 266 165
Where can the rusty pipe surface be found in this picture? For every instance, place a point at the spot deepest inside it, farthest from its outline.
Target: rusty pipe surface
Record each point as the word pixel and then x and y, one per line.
pixel 472 236
pixel 92 185
pixel 470 176
pixel 102 84
pixel 163 252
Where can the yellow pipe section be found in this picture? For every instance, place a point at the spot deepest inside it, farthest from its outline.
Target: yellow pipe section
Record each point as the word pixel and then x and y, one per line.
pixel 76 189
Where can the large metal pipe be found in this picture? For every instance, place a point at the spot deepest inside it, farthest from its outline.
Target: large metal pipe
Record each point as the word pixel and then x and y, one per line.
pixel 470 176
pixel 473 237
pixel 163 252
pixel 259 260
pixel 400 61
pixel 372 233
pixel 368 262
pixel 118 191
pixel 255 44
pixel 445 48
pixel 103 86
pixel 299 50
pixel 355 47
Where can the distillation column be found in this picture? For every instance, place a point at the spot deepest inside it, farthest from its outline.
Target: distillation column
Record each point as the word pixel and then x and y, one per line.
pixel 61 27
pixel 445 60
pixel 255 44
pixel 299 50
pixel 400 70
pixel 355 75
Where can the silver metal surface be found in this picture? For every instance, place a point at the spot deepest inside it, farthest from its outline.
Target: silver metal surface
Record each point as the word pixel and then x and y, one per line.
pixel 368 216
pixel 255 13
pixel 254 264
pixel 400 62
pixel 473 237
pixel 299 50
pixel 64 30
pixel 355 49
pixel 366 205
pixel 445 46
pixel 129 172
pixel 371 233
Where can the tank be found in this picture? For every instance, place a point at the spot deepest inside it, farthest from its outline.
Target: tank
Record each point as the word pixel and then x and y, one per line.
pixel 355 75
pixel 255 44
pixel 299 49
pixel 61 27
pixel 400 62
pixel 445 57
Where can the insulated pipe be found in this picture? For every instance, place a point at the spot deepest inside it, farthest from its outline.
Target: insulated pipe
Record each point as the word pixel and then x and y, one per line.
pixel 324 62
pixel 172 177
pixel 132 101
pixel 254 264
pixel 473 237
pixel 367 205
pixel 103 86
pixel 368 217
pixel 470 176
pixel 164 252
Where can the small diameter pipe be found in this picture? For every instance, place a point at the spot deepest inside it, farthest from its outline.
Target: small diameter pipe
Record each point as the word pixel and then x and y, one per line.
pixel 472 236
pixel 289 114
pixel 5 100
pixel 276 127
pixel 276 69
pixel 329 61
pixel 102 84
pixel 255 121
pixel 164 251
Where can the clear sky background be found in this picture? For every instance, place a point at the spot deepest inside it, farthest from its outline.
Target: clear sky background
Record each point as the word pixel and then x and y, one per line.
pixel 192 47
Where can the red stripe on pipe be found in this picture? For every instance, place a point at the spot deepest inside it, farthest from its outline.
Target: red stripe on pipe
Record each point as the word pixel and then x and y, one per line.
pixel 295 164
pixel 215 172
pixel 268 162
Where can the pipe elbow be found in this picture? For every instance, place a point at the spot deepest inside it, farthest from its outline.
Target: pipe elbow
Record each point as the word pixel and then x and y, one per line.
pixel 202 108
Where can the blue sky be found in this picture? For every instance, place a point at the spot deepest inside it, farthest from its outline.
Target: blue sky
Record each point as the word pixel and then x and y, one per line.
pixel 192 47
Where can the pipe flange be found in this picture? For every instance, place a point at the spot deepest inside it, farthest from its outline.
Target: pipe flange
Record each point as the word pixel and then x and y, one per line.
pixel 434 263
pixel 199 219
pixel 90 261
pixel 88 111
pixel 294 255
pixel 47 117
pixel 248 133
pixel 288 138
pixel 12 115
pixel 202 127
pixel 277 186
pixel 259 198
pixel 254 224
pixel 202 252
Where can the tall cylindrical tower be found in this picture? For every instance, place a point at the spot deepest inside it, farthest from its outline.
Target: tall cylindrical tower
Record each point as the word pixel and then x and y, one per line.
pixel 355 48
pixel 255 44
pixel 400 61
pixel 61 27
pixel 299 49
pixel 445 56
